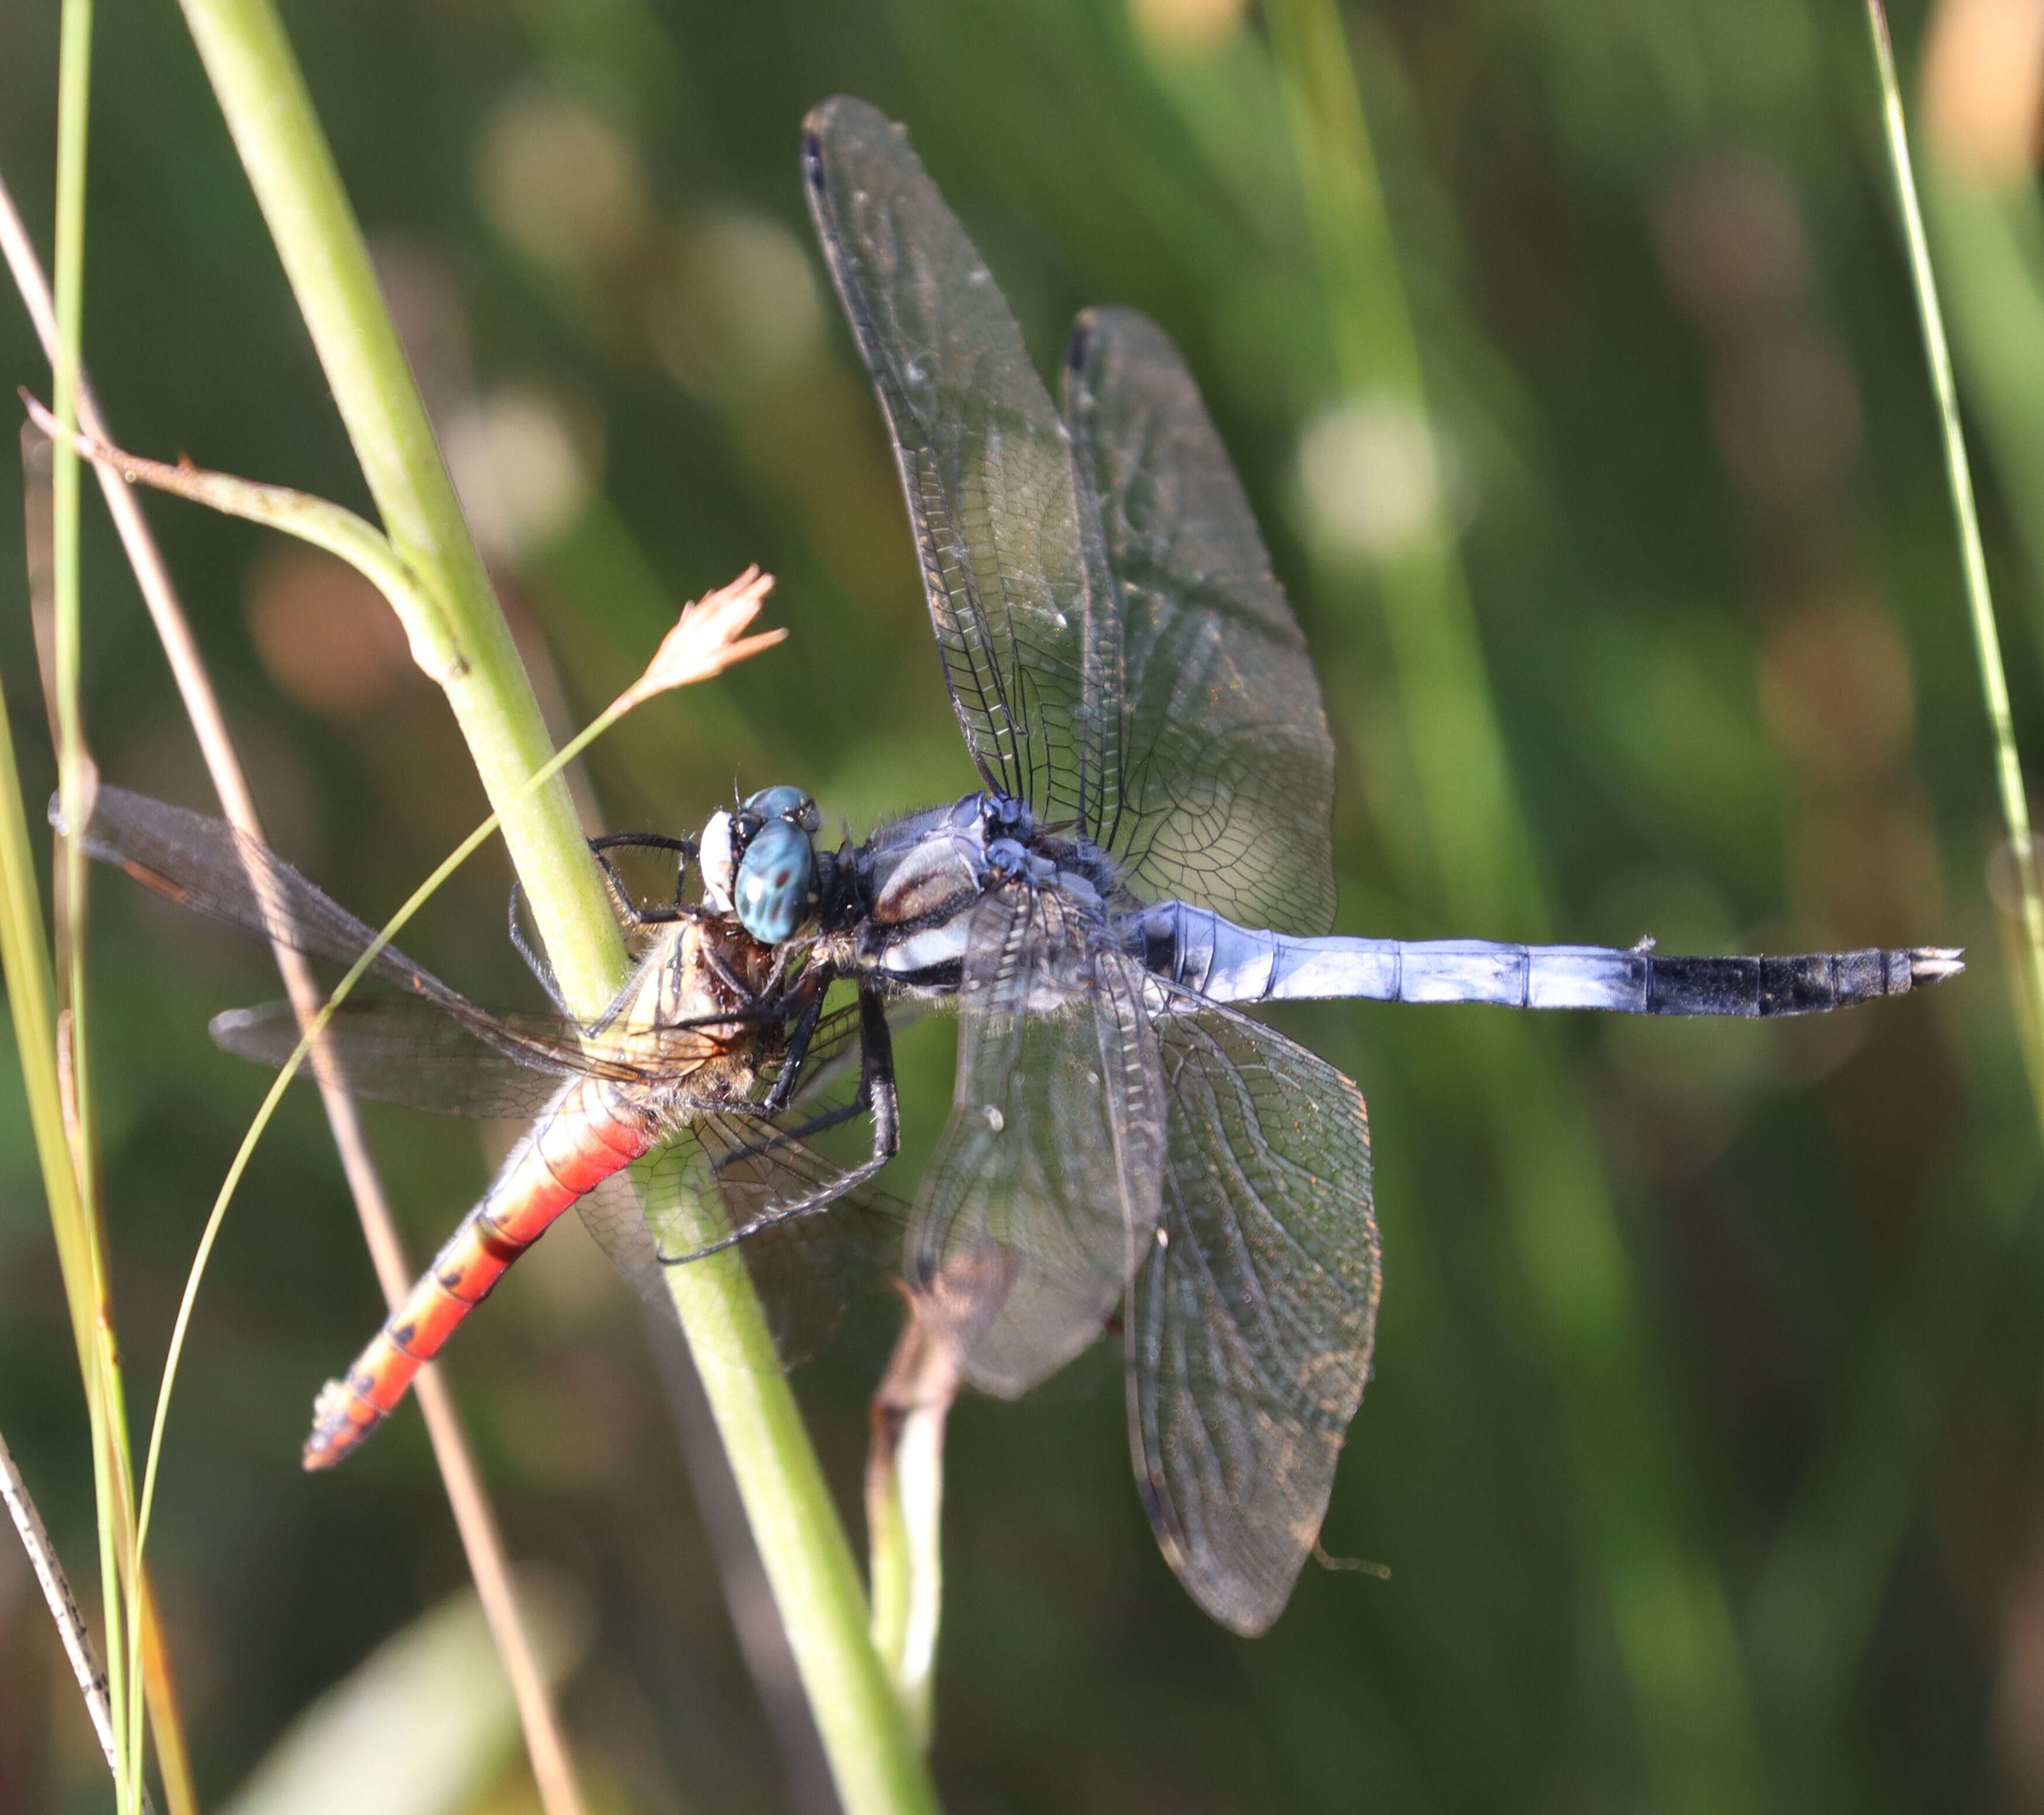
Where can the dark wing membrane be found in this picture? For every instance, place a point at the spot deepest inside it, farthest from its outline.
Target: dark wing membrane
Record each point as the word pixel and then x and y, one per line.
pixel 495 1062
pixel 1227 770
pixel 1042 1196
pixel 1018 595
pixel 206 865
pixel 1250 1325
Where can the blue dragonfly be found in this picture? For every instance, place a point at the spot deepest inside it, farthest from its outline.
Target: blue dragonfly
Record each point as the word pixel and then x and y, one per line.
pixel 1145 858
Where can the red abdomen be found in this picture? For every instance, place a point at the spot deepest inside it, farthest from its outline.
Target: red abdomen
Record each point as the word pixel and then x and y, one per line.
pixel 584 1136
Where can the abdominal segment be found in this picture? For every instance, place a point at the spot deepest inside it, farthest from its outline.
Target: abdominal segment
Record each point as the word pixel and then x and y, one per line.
pixel 587 1133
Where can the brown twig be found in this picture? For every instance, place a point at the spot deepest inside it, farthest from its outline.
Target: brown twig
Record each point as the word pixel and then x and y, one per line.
pixel 482 1540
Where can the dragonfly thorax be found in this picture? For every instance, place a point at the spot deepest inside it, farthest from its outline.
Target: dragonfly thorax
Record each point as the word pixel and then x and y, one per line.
pixel 922 876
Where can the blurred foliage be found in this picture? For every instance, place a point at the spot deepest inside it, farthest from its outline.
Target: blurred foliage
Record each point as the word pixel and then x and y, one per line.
pixel 1779 1539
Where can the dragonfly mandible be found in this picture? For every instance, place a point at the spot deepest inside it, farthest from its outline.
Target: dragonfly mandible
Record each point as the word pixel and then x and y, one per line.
pixel 1147 853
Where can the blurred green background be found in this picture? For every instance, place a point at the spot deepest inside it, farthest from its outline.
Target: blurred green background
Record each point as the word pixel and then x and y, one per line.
pixel 1703 1451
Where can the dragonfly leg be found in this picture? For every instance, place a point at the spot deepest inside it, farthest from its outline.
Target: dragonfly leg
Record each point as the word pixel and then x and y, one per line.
pixel 877 1091
pixel 536 961
pixel 779 1097
pixel 631 915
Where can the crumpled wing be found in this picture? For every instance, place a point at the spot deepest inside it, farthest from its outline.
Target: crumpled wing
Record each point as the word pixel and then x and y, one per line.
pixel 1019 595
pixel 1227 782
pixel 1042 1196
pixel 1250 1324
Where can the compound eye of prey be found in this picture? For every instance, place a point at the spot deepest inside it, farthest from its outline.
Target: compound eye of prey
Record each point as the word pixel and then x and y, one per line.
pixel 777 882
pixel 784 802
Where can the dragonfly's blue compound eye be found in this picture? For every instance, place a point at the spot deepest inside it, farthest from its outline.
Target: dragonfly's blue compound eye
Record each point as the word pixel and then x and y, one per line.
pixel 786 803
pixel 777 882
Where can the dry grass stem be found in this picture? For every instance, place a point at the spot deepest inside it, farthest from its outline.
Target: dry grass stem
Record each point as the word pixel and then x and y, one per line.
pixel 63 1605
pixel 475 1519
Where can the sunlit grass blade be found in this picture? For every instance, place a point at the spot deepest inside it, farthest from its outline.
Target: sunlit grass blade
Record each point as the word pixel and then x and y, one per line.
pixel 468 1500
pixel 98 1359
pixel 2029 977
pixel 25 959
pixel 1667 1602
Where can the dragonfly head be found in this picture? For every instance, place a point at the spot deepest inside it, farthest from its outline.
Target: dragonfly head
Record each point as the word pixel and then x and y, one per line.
pixel 758 863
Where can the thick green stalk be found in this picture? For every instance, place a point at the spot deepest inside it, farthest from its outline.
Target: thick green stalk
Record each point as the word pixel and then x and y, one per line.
pixel 467 647
pixel 457 634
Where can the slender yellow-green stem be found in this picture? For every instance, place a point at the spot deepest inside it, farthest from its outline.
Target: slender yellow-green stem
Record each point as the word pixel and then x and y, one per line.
pixel 1958 474
pixel 26 966
pixel 261 93
pixel 475 1519
pixel 456 629
pixel 98 1359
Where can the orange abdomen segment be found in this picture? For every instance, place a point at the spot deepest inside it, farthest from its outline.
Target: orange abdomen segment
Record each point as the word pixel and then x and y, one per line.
pixel 583 1137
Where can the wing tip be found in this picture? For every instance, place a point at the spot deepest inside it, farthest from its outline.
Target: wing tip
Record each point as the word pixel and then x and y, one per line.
pixel 838 117
pixel 227 1022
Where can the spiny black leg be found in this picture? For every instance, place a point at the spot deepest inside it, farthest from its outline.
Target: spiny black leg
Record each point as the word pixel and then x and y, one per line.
pixel 629 913
pixel 804 1030
pixel 877 1091
pixel 876 1083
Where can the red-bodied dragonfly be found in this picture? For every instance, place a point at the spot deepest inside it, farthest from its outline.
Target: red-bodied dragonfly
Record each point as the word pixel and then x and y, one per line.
pixel 702 1054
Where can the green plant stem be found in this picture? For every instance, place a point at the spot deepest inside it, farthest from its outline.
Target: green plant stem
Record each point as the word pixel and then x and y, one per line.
pixel 1958 474
pixel 456 631
pixel 24 964
pixel 98 1364
pixel 802 1543
pixel 1667 1605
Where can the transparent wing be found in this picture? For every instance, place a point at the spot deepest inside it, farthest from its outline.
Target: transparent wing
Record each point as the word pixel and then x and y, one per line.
pixel 1227 786
pixel 206 865
pixel 1251 1321
pixel 398 1050
pixel 427 1046
pixel 1018 591
pixel 500 1062
pixel 807 1268
pixel 1043 1192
